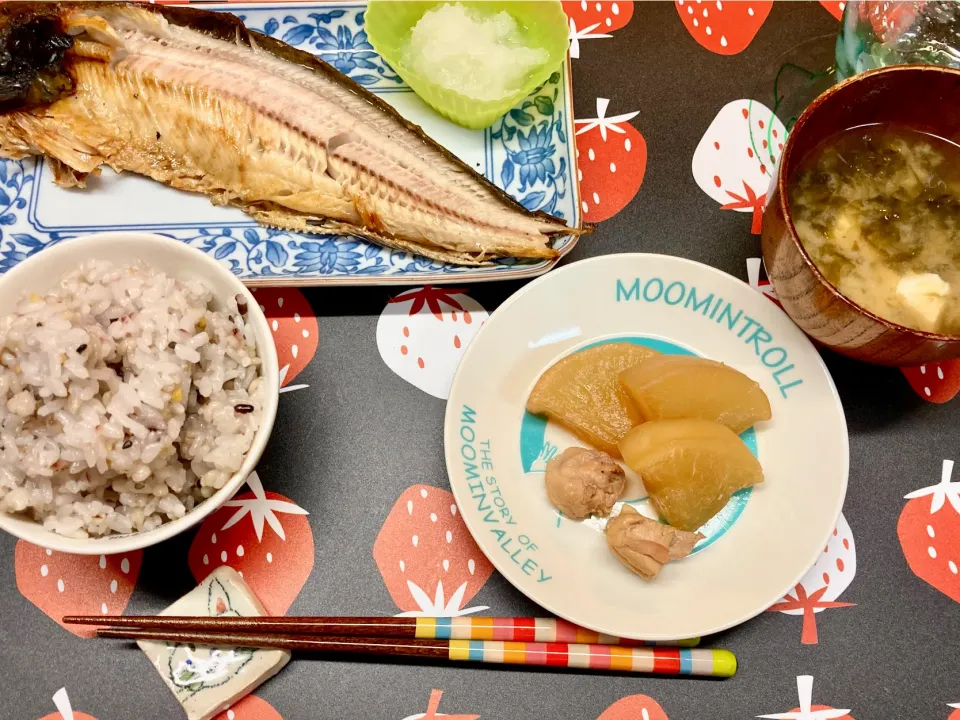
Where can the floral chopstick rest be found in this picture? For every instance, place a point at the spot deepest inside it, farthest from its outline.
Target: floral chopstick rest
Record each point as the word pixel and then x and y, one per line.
pixel 207 681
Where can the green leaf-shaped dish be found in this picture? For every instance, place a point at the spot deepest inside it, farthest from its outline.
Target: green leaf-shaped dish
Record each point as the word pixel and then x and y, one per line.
pixel 389 23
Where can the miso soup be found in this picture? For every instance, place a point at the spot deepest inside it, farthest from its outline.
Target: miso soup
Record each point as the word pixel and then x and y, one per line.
pixel 877 208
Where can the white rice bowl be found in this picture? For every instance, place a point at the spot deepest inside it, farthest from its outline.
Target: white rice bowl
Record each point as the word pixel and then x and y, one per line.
pixel 127 398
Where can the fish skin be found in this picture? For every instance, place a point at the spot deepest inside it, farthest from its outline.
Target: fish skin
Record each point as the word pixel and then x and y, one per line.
pixel 197 101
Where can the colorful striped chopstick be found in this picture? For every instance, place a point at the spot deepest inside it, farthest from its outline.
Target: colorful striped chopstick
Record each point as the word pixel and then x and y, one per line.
pixel 505 629
pixel 518 629
pixel 656 660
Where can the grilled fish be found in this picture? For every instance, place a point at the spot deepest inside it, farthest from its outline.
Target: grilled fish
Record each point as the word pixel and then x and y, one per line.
pixel 195 100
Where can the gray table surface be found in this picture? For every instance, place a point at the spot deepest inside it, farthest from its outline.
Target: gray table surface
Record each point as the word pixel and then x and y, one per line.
pixel 350 444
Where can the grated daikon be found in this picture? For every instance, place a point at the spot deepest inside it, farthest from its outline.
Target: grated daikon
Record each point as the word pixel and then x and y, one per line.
pixel 482 56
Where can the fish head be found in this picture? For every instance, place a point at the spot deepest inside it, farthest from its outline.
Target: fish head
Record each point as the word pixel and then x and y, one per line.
pixel 33 56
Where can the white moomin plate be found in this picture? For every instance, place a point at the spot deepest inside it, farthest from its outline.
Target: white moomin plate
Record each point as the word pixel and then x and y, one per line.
pixel 756 548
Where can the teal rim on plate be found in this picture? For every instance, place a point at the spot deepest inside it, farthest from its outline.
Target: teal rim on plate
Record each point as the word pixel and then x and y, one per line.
pixel 756 549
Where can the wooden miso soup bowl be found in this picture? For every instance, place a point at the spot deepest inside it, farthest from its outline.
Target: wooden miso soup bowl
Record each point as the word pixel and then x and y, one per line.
pixel 923 97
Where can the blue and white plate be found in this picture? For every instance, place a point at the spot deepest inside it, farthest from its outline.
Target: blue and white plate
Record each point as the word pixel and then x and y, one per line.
pixel 754 550
pixel 530 153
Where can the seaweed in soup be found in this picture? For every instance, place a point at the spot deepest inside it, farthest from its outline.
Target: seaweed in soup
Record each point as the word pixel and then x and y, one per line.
pixel 878 210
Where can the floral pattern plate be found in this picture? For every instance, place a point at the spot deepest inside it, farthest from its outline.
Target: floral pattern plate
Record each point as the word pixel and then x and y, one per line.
pixel 529 153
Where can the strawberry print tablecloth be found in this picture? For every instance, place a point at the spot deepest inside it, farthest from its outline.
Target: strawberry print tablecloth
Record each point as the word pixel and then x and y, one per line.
pixel 350 511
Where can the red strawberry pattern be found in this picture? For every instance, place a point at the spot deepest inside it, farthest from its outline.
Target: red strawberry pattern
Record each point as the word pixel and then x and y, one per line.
pixel 429 563
pixel 64 711
pixel 927 529
pixel 60 584
pixel 250 708
pixel 275 562
pixel 890 19
pixel 824 582
pixel 592 20
pixel 432 714
pixel 807 710
pixel 634 707
pixel 929 533
pixel 936 382
pixel 834 8
pixel 295 330
pixel 735 160
pixel 723 27
pixel 611 162
pixel 762 286
pixel 423 333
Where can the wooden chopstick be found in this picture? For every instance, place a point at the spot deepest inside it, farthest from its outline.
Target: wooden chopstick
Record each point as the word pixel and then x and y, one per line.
pixel 657 661
pixel 508 629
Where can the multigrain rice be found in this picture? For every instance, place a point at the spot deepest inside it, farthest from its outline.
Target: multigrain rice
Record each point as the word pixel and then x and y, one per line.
pixel 126 398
